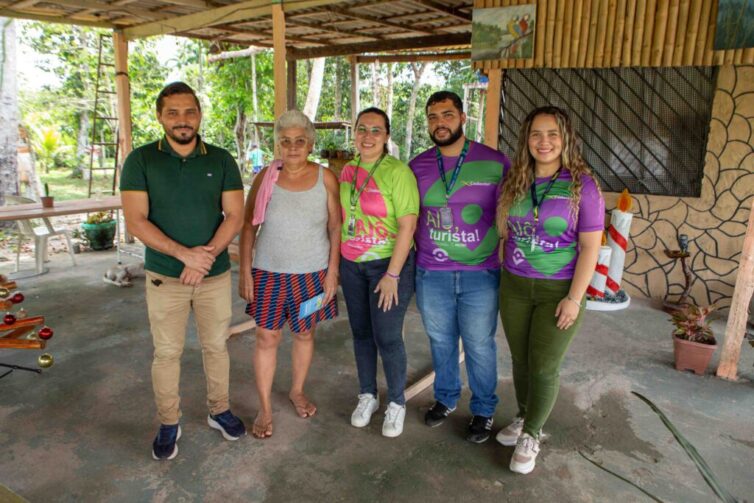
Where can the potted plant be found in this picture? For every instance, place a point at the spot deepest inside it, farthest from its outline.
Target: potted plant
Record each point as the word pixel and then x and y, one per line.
pixel 693 340
pixel 99 230
pixel 47 199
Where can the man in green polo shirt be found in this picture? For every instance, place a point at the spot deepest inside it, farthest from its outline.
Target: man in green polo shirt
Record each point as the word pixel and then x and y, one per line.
pixel 184 200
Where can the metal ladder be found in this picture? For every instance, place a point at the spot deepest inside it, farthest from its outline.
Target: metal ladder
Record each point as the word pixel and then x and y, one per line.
pixel 104 123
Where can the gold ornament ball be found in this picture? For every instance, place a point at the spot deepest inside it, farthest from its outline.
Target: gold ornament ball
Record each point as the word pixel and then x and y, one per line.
pixel 4 292
pixel 45 361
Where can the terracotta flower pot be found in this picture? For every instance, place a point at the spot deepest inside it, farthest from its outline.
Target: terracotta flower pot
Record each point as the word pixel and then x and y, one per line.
pixel 47 201
pixel 692 355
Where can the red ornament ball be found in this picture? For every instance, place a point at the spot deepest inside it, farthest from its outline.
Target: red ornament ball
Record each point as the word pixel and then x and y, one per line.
pixel 17 298
pixel 45 333
pixel 9 319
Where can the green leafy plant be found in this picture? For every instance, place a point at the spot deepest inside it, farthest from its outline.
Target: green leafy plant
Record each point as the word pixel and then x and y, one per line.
pixel 691 324
pixel 47 143
pixel 100 218
pixel 47 190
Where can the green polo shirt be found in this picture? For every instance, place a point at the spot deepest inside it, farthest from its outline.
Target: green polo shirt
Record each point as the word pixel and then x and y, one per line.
pixel 185 196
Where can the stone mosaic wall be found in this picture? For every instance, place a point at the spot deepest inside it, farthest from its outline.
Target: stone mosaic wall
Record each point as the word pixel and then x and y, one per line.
pixel 715 222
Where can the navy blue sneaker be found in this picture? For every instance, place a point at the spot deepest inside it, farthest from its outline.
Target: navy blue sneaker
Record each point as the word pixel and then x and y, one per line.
pixel 165 443
pixel 229 425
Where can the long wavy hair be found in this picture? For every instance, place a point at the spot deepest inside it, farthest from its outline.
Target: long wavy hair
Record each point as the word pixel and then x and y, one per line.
pixel 521 174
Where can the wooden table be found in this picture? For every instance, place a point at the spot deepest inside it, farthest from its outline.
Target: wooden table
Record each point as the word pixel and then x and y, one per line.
pixel 70 207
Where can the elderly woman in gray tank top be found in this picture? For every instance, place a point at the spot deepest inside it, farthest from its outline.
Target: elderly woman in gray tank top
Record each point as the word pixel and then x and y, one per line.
pixel 294 258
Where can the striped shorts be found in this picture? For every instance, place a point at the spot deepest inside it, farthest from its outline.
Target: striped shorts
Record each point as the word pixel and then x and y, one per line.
pixel 278 297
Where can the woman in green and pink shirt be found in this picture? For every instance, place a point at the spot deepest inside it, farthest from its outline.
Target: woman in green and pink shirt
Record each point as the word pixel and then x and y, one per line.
pixel 380 204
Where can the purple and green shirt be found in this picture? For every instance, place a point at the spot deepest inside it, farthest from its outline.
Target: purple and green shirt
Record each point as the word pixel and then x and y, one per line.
pixel 472 241
pixel 549 249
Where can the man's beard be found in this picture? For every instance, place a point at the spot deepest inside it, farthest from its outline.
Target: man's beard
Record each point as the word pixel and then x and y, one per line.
pixel 181 140
pixel 454 136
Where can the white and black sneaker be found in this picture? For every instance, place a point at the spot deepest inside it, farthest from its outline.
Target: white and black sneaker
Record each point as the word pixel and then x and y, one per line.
pixel 437 414
pixel 480 429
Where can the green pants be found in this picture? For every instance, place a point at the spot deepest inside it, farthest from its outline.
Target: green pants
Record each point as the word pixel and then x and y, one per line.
pixel 537 345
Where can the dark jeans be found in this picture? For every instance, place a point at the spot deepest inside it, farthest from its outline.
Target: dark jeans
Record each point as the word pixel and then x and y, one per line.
pixel 374 329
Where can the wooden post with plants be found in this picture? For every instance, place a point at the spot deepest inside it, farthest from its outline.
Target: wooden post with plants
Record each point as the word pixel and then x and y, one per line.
pixel 736 328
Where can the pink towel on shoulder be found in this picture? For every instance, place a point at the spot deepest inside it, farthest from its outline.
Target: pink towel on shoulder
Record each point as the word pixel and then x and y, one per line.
pixel 265 191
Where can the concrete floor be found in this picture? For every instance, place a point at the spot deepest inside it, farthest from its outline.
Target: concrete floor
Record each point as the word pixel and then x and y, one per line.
pixel 82 430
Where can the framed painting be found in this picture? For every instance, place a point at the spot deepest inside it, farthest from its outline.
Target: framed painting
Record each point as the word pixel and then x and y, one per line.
pixel 503 32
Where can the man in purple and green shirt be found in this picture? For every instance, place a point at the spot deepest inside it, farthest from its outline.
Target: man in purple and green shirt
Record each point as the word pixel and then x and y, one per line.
pixel 458 272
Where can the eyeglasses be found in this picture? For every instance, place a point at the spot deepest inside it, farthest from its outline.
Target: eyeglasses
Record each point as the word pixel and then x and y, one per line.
pixel 295 142
pixel 373 131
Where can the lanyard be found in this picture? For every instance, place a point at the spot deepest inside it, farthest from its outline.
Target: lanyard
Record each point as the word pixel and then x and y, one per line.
pixel 355 194
pixel 533 189
pixel 454 176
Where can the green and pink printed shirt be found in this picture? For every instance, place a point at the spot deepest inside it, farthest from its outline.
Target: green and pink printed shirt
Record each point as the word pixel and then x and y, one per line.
pixel 472 241
pixel 549 249
pixel 390 194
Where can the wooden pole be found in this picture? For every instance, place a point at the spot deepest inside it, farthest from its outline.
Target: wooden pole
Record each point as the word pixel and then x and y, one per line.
pixel 123 93
pixel 679 51
pixel 355 102
pixel 550 32
pixel 736 327
pixel 557 47
pixel 492 114
pixel 539 46
pixel 701 36
pixel 631 45
pixel 695 12
pixel 291 85
pixel 279 69
pixel 649 25
pixel 672 24
pixel 575 35
pixel 568 23
pixel 586 14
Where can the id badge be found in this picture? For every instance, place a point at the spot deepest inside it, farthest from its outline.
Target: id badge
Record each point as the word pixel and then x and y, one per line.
pixel 352 226
pixel 446 218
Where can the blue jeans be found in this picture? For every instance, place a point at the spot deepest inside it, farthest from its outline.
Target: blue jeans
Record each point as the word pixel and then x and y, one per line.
pixel 375 330
pixel 461 304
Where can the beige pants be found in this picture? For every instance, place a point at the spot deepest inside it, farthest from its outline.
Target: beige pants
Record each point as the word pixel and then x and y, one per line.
pixel 169 303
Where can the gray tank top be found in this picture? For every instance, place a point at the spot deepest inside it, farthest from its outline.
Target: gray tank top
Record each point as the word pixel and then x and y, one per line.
pixel 293 238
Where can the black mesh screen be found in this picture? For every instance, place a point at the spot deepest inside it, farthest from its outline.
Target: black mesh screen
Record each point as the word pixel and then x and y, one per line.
pixel 644 129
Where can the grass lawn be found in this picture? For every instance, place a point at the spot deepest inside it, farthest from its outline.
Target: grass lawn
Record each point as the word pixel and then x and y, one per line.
pixel 63 187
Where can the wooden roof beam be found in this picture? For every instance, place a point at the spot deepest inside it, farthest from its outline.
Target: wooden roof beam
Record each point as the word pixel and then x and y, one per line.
pixel 23 4
pixel 407 58
pixel 241 11
pixel 54 19
pixel 268 34
pixel 376 20
pixel 337 31
pixel 450 11
pixel 392 44
pixel 131 11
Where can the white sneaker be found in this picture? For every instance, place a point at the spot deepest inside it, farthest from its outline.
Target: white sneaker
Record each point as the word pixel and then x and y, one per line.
pixel 509 435
pixel 525 455
pixel 368 403
pixel 394 416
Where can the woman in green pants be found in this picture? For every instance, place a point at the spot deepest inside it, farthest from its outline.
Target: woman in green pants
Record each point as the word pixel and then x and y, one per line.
pixel 551 219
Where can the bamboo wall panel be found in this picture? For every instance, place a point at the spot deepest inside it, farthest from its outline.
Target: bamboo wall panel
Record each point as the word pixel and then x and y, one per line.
pixel 610 33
